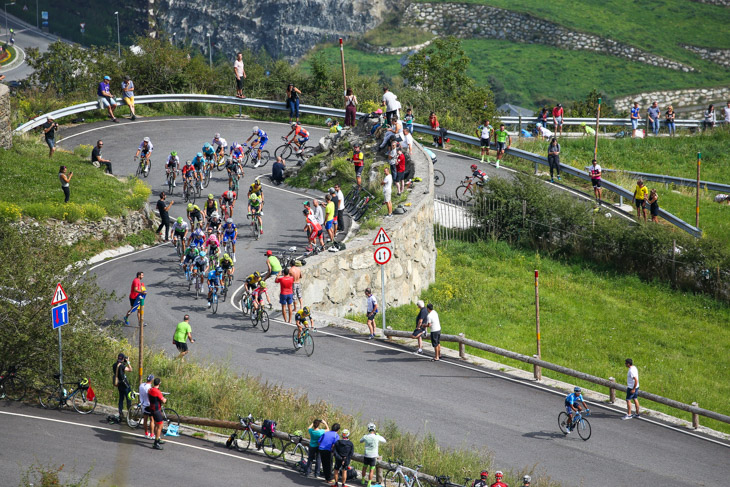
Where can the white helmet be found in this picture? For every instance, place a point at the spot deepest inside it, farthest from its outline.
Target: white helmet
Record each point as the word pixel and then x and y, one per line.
pixel 230 220
pixel 214 214
pixel 371 426
pixel 526 479
pixel 539 125
pixel 255 129
pixel 217 136
pixel 147 139
pixel 293 124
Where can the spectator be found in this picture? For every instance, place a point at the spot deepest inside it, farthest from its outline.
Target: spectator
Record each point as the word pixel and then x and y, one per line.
pixel 554 158
pixel 726 114
pixel 406 144
pixel 105 98
pixel 632 389
pixel 286 294
pixel 709 122
pixel 390 102
pixel 156 402
pixel 434 123
pixel 318 211
pixel 326 443
pixel 393 158
pixel 272 264
pixel 329 216
pixel 333 125
pixel 401 175
pixel 128 95
pixel 372 441
pixel 97 159
pixel 358 160
pixel 498 475
pixel 434 323
pixel 653 116
pixel 183 333
pixel 136 295
pixel 316 430
pixel 120 368
pixel 669 120
pixel 639 197
pixel 144 400
pixel 292 101
pixel 350 108
pixel 296 273
pixel 720 198
pixel 653 205
pixel 340 209
pixel 387 191
pixel 594 171
pixel 543 117
pixel 336 201
pixel 372 310
pixel 65 182
pixel 395 131
pixel 558 118
pixel 277 171
pixel 163 207
pixel 485 134
pixel 587 130
pixel 421 321
pixel 504 142
pixel 343 451
pixel 49 132
pixel 240 74
pixel 635 118
pixel 543 132
pixel 408 119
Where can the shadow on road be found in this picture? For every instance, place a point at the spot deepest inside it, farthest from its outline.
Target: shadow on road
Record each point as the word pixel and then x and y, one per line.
pixel 544 435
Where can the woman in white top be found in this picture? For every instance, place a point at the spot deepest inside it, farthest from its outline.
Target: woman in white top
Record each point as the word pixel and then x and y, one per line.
pixel 350 108
pixel 388 191
pixel 65 180
pixel 709 117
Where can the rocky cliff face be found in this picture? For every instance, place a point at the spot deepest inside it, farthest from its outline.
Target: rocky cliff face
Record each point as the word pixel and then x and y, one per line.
pixel 286 29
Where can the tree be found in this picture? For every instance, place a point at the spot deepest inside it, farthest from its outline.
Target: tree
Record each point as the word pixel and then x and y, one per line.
pixel 440 67
pixel 588 106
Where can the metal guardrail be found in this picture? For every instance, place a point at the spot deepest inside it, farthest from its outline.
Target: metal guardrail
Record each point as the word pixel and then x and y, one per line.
pixel 661 178
pixel 611 385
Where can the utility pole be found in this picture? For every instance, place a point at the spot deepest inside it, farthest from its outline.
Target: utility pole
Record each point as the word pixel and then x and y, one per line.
pixel 119 39
pixel 595 142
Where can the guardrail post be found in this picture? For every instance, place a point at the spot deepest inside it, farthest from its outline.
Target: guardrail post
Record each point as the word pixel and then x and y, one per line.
pixel 519 127
pixel 390 337
pixel 462 348
pixel 612 391
pixel 695 418
pixel 536 370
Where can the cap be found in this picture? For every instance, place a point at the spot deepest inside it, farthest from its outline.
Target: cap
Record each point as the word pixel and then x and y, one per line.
pixel 121 356
pixel 306 203
pixel 150 377
pixel 127 78
pixel 345 433
pixel 269 252
pixel 107 77
pixel 331 191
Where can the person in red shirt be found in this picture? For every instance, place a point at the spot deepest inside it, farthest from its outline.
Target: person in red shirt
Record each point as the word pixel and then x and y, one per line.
pixel 314 230
pixel 286 294
pixel 434 123
pixel 499 482
pixel 558 118
pixel 157 399
pixel 358 161
pixel 136 295
pixel 401 168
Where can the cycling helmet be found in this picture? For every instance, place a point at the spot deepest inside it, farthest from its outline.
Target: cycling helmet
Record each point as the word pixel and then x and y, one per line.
pixel 173 154
pixel 217 136
pixel 293 124
pixel 539 125
pixel 484 474
pixel 262 284
pixel 576 389
pixel 179 219
pixel 207 145
pixel 527 479
pixel 190 206
pixel 188 162
pixel 215 215
pixel 199 155
pixel 147 139
pixel 473 167
pixel 218 268
pixel 256 274
pixel 229 220
pixel 305 310
pixel 255 129
pixel 499 474
pixel 210 229
pixel 226 256
pixel 371 426
pixel 210 196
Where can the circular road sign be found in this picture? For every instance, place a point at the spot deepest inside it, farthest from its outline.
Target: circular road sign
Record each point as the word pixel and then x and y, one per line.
pixel 382 255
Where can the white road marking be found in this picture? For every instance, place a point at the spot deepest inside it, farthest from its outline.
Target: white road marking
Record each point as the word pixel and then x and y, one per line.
pixel 19 65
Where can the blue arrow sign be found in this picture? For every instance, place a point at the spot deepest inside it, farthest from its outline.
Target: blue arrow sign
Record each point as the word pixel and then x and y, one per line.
pixel 59 315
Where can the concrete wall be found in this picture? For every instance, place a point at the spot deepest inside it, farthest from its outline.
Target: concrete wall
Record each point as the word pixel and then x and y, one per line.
pixel 334 282
pixel 6 132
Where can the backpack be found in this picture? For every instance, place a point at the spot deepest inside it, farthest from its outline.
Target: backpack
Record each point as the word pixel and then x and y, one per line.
pixel 268 428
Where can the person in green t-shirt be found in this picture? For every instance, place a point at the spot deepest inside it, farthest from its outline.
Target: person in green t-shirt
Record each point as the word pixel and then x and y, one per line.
pixel 504 141
pixel 272 262
pixel 372 441
pixel 183 333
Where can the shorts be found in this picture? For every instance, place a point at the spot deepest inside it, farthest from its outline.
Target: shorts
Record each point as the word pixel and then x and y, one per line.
pixel 640 204
pixel 262 142
pixel 302 140
pixel 559 120
pixel 484 143
pixel 418 332
pixel 105 102
pixel 298 290
pixel 501 146
pixel 239 83
pixel 400 176
pixel 146 411
pixel 654 209
pixel 328 225
pixel 286 299
pixel 341 464
pixel 275 273
pixel 157 416
pixel 632 395
pixel 131 301
pixel 387 196
pixel 435 338
pixel 358 170
pixel 129 100
pixel 634 124
pixel 227 237
pixel 568 409
pixel 371 315
pixel 596 183
pixel 369 461
pixel 181 346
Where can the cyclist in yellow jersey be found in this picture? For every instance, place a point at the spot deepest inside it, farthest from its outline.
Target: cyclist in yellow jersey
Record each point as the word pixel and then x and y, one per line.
pixel 226 263
pixel 302 318
pixel 257 189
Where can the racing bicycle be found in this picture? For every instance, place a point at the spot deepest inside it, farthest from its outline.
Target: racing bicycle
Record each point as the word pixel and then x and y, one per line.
pixel 305 341
pixel 135 414
pixel 255 228
pixel 295 451
pixel 286 149
pixel 171 174
pixel 242 441
pixel 468 189
pixel 214 299
pixel 579 424
pixel 260 316
pixel 56 396
pixel 445 481
pixel 250 154
pixel 402 476
pixel 144 166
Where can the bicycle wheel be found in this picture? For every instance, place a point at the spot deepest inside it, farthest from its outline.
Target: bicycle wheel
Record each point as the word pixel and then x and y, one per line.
pixel 82 404
pixel 283 151
pixel 563 422
pixel 50 397
pixel 246 159
pixel 393 478
pixel 295 340
pixel 139 170
pixel 171 417
pixel 294 454
pixel 464 193
pixel 272 447
pixel 308 345
pixel 255 316
pixel 198 287
pixel 14 388
pixel 264 159
pixel 221 163
pixel 243 442
pixel 178 247
pixel 214 303
pixel 438 178
pixel 584 429
pixel 134 416
pixel 169 184
pixel 206 178
pixel 264 320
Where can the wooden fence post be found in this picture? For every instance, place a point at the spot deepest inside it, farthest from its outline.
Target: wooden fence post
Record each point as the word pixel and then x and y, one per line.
pixel 536 370
pixel 390 337
pixel 462 348
pixel 612 391
pixel 695 417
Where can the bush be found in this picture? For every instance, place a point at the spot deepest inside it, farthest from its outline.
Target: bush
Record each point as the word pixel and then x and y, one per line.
pixel 83 151
pixel 9 211
pixel 94 212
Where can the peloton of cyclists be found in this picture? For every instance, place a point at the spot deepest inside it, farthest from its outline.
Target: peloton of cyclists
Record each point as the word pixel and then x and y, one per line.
pixel 260 139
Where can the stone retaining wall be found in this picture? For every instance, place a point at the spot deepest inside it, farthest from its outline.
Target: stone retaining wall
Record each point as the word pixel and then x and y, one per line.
pixel 6 131
pixel 721 3
pixel 718 56
pixel 691 98
pixel 482 21
pixel 393 50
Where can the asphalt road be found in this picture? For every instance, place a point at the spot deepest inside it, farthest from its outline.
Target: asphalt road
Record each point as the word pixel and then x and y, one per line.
pixel 461 405
pixel 25 37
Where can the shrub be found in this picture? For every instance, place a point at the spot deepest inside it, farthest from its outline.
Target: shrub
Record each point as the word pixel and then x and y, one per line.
pixel 83 151
pixel 9 211
pixel 94 212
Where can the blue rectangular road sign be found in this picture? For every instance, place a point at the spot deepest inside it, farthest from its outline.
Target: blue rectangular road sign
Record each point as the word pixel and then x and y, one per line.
pixel 59 315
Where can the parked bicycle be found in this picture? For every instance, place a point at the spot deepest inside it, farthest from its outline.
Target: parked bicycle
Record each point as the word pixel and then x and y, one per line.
pixel 445 481
pixel 135 414
pixel 402 476
pixel 242 440
pixel 296 450
pixel 305 341
pixel 56 396
pixel 12 386
pixel 579 424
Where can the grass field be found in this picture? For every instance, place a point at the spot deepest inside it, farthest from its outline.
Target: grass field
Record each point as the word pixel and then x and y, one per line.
pixel 590 321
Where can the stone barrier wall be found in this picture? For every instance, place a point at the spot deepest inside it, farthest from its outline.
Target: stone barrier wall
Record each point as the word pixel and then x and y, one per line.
pixel 691 98
pixel 393 50
pixel 6 132
pixel 721 3
pixel 719 56
pixel 482 21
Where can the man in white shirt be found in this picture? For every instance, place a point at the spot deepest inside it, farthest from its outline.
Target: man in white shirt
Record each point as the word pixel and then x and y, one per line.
pixel 726 113
pixel 387 191
pixel 632 389
pixel 340 225
pixel 144 399
pixel 391 103
pixel 434 323
pixel 318 212
pixel 543 132
pixel 407 142
pixel 240 74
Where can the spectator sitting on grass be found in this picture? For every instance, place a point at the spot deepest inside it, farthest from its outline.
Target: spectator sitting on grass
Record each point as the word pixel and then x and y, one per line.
pixel 720 198
pixel 97 159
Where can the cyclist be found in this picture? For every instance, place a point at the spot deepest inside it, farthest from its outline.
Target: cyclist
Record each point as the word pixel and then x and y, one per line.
pixel 199 162
pixel 303 319
pixel 479 176
pixel 214 281
pixel 211 205
pixel 230 232
pixel 197 237
pixel 252 282
pixel 145 150
pixel 208 154
pixel 222 145
pixel 254 210
pixel 236 151
pixel 179 231
pixel 526 481
pixel 194 214
pixel 226 264
pixel 300 132
pixel 200 264
pixel 214 222
pixel 212 244
pixel 313 229
pixel 571 405
pixel 190 255
pixel 228 199
pixel 233 165
pixel 498 476
pixel 189 174
pixel 173 162
pixel 482 481
pixel 259 143
pixel 256 188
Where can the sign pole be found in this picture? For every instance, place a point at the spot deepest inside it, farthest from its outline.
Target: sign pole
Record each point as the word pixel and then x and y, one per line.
pixel 538 371
pixel 60 358
pixel 342 61
pixel 382 286
pixel 697 205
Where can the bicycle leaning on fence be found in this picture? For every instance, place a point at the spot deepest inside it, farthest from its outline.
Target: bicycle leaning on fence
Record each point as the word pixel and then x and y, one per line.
pixel 81 395
pixel 402 476
pixel 271 445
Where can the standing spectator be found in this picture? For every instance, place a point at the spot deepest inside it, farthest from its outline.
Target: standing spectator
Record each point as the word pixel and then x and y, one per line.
pixel 326 443
pixel 350 108
pixel 653 115
pixel 401 175
pixel 408 119
pixel 292 101
pixel 504 142
pixel 105 98
pixel 393 158
pixel 163 207
pixel 336 202
pixel 632 389
pixel 65 182
pixel 329 216
pixel 709 122
pixel 558 118
pixel 358 160
pixel 286 294
pixel 485 134
pixel 183 333
pixel 387 191
pixel 135 295
pixel 240 74
pixel 390 102
pixel 120 368
pixel 318 212
pixel 343 451
pixel 726 114
pixel 654 205
pixel 340 209
pixel 372 440
pixel 97 159
pixel 372 310
pixel 433 121
pixel 316 430
pixel 635 118
pixel 669 120
pixel 434 323
pixel 156 402
pixel 639 197
pixel 554 158
pixel 498 475
pixel 128 95
pixel 49 132
pixel 296 273
pixel 277 171
pixel 406 144
pixel 594 171
pixel 144 400
pixel 421 321
pixel 543 117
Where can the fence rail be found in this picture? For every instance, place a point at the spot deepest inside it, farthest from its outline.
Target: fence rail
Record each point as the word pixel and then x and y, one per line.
pixel 542 364
pixel 661 178
pixel 612 122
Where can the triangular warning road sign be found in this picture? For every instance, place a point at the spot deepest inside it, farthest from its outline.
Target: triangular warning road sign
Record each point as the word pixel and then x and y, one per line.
pixel 59 296
pixel 381 238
